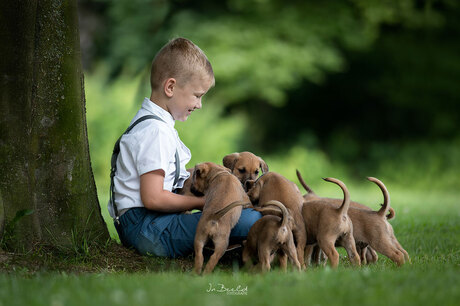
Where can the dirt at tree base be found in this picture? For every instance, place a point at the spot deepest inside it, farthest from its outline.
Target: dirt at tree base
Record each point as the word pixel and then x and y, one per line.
pixel 112 258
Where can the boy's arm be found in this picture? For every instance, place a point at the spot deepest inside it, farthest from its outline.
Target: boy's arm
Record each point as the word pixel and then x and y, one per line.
pixel 154 197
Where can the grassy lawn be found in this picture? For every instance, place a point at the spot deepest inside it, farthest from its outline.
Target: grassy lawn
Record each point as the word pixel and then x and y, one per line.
pixel 415 285
pixel 427 224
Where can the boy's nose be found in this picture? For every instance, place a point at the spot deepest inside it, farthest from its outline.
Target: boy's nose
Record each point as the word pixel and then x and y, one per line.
pixel 198 106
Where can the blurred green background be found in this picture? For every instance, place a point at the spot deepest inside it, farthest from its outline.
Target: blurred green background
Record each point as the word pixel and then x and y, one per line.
pixel 334 88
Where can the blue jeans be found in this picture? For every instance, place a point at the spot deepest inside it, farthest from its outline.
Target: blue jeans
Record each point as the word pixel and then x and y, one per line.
pixel 171 235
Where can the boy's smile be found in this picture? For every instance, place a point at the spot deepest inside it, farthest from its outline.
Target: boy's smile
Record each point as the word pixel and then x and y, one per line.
pixel 186 98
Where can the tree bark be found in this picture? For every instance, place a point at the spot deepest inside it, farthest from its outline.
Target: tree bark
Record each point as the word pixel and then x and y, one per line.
pixel 44 156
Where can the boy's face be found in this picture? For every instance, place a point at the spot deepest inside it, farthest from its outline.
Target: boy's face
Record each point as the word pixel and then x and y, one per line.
pixel 187 97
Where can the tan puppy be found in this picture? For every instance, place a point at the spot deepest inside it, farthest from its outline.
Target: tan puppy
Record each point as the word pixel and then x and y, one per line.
pixel 328 226
pixel 367 254
pixel 187 188
pixel 372 230
pixel 274 186
pixel 221 189
pixel 245 165
pixel 269 235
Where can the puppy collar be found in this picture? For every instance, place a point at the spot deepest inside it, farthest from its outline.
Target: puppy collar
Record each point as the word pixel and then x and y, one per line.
pixel 260 177
pixel 218 174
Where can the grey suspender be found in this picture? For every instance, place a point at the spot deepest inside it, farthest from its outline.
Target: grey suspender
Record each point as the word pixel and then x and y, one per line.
pixel 116 152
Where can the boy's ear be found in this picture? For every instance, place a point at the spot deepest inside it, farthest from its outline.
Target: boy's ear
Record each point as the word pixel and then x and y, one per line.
pixel 169 87
pixel 230 160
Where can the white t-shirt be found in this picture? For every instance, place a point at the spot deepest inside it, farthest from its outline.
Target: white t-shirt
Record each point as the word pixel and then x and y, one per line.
pixel 150 145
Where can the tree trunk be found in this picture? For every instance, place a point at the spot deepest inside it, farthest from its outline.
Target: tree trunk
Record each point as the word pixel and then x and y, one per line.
pixel 46 182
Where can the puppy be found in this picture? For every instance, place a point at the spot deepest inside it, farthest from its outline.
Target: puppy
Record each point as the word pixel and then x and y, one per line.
pixel 367 254
pixel 245 165
pixel 187 188
pixel 274 186
pixel 328 226
pixel 221 189
pixel 371 229
pixel 269 235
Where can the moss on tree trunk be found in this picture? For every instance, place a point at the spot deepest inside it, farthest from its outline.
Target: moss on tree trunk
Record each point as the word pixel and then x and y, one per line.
pixel 45 163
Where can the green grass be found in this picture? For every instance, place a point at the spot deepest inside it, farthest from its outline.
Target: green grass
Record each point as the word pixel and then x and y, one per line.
pixel 427 225
pixel 410 285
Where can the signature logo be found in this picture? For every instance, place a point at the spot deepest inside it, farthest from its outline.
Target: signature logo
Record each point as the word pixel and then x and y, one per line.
pixel 220 288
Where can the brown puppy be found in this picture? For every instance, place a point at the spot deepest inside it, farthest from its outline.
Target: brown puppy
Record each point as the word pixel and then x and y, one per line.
pixel 187 188
pixel 245 165
pixel 221 189
pixel 367 254
pixel 328 226
pixel 371 229
pixel 271 234
pixel 274 186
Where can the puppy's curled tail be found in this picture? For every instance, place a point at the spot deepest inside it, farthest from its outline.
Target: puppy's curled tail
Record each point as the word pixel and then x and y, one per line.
pixel 299 176
pixel 383 211
pixel 391 213
pixel 219 214
pixel 343 209
pixel 284 211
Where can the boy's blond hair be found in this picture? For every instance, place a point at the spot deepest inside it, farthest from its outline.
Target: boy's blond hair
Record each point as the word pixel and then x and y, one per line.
pixel 180 59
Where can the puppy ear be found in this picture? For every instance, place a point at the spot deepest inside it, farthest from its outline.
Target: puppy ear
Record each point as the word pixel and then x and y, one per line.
pixel 248 184
pixel 263 165
pixel 195 173
pixel 201 170
pixel 230 160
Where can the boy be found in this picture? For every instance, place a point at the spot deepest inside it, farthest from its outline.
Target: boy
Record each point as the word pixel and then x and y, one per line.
pixel 152 159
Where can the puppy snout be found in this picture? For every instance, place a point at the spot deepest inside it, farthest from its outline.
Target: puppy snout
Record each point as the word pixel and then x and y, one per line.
pixel 248 185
